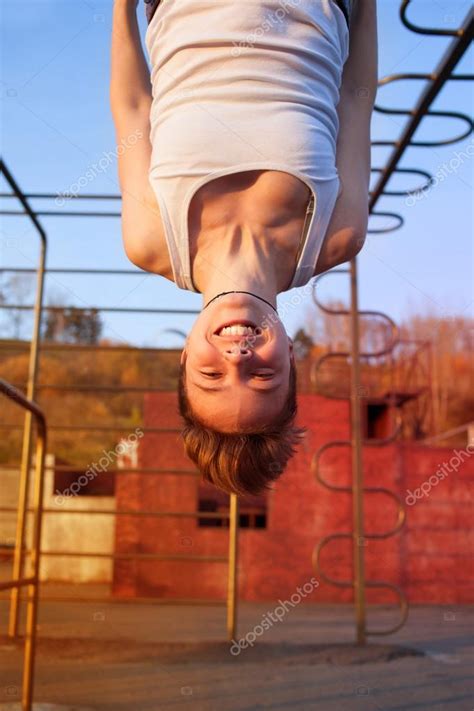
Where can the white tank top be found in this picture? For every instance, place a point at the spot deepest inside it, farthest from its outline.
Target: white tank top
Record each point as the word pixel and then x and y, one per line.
pixel 248 85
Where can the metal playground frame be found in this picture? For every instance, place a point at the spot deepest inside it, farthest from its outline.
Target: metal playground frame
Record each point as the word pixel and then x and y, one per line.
pixel 435 81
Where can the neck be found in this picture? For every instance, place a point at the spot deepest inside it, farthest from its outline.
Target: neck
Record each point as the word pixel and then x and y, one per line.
pixel 239 264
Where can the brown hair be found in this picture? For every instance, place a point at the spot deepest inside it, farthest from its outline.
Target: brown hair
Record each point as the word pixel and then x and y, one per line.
pixel 242 462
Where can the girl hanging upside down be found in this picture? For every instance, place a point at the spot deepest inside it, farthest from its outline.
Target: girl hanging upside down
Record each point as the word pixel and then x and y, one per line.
pixel 250 177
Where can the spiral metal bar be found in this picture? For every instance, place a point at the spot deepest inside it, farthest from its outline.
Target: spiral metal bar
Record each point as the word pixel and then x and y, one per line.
pixel 435 82
pixel 349 535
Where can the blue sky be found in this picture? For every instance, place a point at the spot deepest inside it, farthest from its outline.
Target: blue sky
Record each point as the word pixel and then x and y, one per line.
pixel 56 123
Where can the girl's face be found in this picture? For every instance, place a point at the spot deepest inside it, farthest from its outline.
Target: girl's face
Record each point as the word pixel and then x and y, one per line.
pixel 237 360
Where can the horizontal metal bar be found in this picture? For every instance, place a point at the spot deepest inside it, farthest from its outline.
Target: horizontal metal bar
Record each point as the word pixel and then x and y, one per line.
pixel 116 272
pixel 391 78
pixel 54 213
pixel 92 389
pixel 54 196
pixel 45 346
pixel 115 512
pixel 94 428
pixel 21 582
pixel 135 556
pixel 126 600
pixel 125 470
pixel 102 309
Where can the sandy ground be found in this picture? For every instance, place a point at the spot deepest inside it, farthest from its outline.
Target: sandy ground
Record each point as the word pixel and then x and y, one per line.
pixel 148 657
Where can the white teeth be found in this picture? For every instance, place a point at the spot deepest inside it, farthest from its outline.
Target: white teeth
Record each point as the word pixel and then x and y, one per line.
pixel 236 330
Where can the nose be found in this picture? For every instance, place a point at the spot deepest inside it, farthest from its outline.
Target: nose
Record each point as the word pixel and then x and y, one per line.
pixel 237 352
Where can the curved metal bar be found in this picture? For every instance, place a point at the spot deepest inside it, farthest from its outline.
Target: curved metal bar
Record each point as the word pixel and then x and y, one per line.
pixel 315 464
pixel 386 230
pixel 442 114
pixel 317 560
pixel 401 512
pixel 334 444
pixel 316 365
pixel 402 604
pixel 434 31
pixel 319 304
pixel 345 312
pixel 367 313
pixel 403 193
pixel 448 141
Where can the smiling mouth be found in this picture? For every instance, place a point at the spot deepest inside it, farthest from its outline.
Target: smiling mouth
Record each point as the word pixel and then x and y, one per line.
pixel 238 328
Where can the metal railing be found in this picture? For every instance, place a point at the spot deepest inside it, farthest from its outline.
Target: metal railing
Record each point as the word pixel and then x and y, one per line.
pixel 30 394
pixel 32 582
pixel 33 387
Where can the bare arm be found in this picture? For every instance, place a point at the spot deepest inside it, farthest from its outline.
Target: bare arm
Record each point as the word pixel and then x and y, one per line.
pixel 131 100
pixel 348 226
pixel 130 88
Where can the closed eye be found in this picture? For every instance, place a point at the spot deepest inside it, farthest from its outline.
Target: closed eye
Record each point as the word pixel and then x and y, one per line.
pixel 215 375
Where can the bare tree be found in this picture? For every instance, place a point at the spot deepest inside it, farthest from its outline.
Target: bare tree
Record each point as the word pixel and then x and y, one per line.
pixel 16 289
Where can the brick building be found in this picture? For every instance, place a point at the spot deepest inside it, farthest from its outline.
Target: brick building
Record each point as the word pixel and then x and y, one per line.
pixel 429 559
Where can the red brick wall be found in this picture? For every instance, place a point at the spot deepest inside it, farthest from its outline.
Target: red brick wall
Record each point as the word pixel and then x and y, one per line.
pixel 429 559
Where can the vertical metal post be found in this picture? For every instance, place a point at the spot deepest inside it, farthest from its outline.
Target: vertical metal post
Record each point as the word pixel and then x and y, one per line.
pixel 33 589
pixel 26 451
pixel 357 467
pixel 232 580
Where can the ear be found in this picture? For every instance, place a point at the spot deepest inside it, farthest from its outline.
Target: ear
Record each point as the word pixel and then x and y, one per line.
pixel 183 356
pixel 290 343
